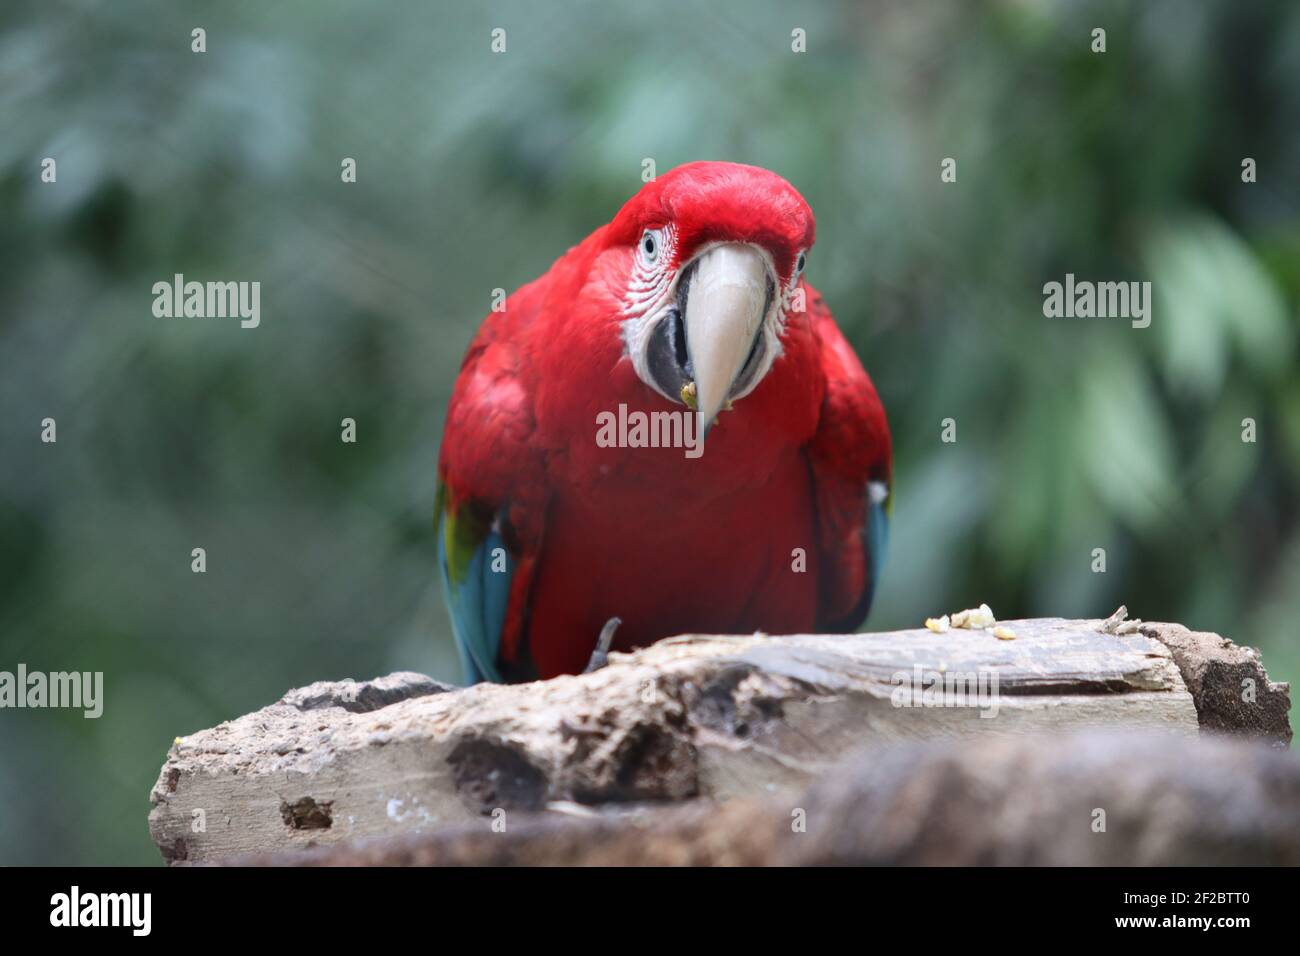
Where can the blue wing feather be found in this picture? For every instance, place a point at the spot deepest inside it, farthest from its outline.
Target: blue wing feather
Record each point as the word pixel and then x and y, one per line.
pixel 877 543
pixel 477 601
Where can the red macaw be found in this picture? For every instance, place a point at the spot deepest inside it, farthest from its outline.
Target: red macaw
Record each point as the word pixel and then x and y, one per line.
pixel 691 301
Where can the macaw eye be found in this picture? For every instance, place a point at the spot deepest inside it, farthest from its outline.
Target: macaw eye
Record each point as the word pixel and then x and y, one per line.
pixel 800 263
pixel 651 244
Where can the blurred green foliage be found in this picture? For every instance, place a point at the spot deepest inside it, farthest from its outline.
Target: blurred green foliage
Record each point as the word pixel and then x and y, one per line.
pixel 475 171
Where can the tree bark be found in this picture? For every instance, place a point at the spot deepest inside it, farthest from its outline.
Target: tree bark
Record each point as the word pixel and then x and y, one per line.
pixel 701 720
pixel 1095 798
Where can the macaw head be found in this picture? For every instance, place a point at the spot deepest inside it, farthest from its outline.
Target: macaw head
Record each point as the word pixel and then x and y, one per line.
pixel 717 252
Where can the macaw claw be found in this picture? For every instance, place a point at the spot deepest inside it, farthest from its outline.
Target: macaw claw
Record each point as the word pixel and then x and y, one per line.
pixel 600 656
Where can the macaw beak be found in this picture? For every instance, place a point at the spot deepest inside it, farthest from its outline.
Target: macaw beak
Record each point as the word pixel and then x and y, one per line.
pixel 725 302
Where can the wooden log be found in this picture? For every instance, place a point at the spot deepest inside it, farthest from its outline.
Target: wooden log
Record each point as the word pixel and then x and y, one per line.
pixel 1095 798
pixel 718 718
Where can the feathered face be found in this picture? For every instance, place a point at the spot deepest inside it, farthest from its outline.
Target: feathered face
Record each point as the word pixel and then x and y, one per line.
pixel 718 251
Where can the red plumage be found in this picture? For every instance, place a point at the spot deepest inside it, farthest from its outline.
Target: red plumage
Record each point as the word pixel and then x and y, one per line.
pixel 667 543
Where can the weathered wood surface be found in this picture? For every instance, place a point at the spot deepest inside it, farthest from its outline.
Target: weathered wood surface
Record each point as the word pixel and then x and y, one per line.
pixel 700 717
pixel 1095 798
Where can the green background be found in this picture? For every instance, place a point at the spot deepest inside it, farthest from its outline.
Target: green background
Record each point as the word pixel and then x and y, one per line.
pixel 475 171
